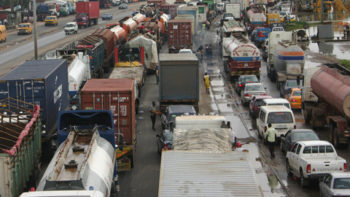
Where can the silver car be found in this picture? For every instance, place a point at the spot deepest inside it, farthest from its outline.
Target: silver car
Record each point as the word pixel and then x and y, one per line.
pixel 250 90
pixel 335 184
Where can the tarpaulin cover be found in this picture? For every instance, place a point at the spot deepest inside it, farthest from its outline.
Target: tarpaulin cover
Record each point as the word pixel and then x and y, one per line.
pixel 150 47
pixel 12 151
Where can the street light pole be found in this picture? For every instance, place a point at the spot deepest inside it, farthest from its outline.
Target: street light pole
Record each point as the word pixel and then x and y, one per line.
pixel 35 32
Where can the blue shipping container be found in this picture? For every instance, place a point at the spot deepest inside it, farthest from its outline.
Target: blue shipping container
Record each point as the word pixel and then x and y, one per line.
pixel 41 82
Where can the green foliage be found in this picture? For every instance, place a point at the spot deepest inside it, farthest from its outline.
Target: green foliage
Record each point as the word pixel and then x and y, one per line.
pixel 345 62
pixel 289 26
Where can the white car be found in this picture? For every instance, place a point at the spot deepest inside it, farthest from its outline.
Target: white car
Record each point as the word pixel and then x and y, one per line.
pixel 250 90
pixel 188 51
pixel 312 160
pixel 335 184
pixel 71 28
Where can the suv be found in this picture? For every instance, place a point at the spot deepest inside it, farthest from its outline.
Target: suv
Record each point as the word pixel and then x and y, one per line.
pixel 71 28
pixel 281 118
pixel 168 118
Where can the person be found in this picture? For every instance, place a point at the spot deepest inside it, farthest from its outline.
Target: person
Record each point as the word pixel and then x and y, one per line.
pixel 154 112
pixel 206 82
pixel 5 22
pixel 271 138
pixel 157 73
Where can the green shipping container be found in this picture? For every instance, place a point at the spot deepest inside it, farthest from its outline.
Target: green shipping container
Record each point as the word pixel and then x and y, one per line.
pixel 20 146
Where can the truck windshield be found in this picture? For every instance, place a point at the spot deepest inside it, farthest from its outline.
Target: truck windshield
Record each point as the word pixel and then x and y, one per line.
pixel 341 183
pixel 280 117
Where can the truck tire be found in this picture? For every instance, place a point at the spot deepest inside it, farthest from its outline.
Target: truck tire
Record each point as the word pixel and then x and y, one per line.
pixel 302 179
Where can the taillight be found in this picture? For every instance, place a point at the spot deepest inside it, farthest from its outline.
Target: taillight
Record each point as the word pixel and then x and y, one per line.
pixel 308 168
pixel 247 94
pixel 345 167
pixel 293 100
pixel 263 94
pixel 265 128
pixel 295 126
pixel 166 147
pixel 240 85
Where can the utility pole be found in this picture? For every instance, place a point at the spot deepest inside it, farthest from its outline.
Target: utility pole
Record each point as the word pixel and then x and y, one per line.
pixel 35 32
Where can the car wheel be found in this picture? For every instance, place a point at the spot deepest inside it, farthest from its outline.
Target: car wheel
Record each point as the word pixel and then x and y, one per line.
pixel 289 172
pixel 302 179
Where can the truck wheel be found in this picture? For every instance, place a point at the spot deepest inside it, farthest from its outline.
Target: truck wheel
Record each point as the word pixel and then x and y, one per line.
pixel 302 179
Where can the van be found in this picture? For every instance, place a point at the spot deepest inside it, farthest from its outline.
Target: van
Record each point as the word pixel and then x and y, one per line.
pixel 276 101
pixel 281 118
pixel 3 33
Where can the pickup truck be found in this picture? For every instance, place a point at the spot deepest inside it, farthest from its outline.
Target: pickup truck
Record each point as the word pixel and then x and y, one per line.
pixel 312 160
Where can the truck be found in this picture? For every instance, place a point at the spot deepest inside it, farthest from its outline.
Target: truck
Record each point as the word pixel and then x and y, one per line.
pixel 108 39
pixel 285 59
pixel 135 72
pixel 87 13
pixel 202 155
pixel 235 9
pixel 43 83
pixel 85 159
pixel 117 95
pixel 256 17
pixel 179 35
pixel 42 10
pixel 240 56
pixel 178 80
pixel 90 45
pixel 20 146
pixel 326 99
pixel 311 160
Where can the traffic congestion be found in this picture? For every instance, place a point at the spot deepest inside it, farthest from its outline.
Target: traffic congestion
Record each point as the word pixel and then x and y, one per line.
pixel 175 98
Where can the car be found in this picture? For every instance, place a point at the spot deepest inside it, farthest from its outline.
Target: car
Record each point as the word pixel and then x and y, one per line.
pixel 164 141
pixel 255 103
pixel 51 20
pixel 250 90
pixel 295 135
pixel 71 28
pixel 107 16
pixel 123 6
pixel 168 117
pixel 188 51
pixel 286 88
pixel 335 184
pixel 24 28
pixel 280 117
pixel 243 79
pixel 294 98
pixel 311 160
pixel 3 33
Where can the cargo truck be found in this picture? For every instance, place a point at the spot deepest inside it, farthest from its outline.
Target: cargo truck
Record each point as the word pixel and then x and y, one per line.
pixel 43 83
pixel 285 59
pixel 42 10
pixel 178 80
pixel 20 146
pixel 85 160
pixel 117 95
pixel 328 104
pixel 108 39
pixel 179 35
pixel 90 45
pixel 87 13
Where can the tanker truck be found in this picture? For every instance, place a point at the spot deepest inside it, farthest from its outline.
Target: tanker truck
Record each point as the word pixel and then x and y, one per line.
pixel 85 160
pixel 241 57
pixel 327 101
pixel 285 61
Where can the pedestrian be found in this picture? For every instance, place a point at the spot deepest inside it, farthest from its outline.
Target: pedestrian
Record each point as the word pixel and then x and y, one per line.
pixel 271 138
pixel 5 22
pixel 153 110
pixel 206 82
pixel 157 73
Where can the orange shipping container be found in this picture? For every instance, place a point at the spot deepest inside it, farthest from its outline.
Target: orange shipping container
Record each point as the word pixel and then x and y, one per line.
pixel 116 95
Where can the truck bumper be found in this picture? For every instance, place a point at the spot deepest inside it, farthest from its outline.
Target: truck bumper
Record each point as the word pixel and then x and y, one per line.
pixel 245 72
pixel 82 23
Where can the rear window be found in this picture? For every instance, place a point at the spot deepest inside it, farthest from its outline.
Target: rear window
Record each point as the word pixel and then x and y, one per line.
pixel 278 104
pixel 254 88
pixel 318 149
pixel 297 93
pixel 329 149
pixel 280 117
pixel 341 183
pixel 250 79
pixel 304 136
pixel 307 150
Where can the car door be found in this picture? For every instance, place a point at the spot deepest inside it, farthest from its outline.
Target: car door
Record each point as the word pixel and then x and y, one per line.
pixel 293 157
pixel 260 122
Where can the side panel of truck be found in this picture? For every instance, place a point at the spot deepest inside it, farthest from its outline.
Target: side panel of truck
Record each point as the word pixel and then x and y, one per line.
pixel 92 8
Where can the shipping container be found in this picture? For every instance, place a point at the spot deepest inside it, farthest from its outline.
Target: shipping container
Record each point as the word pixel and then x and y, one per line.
pixel 179 35
pixel 108 38
pixel 178 79
pixel 188 17
pixel 191 11
pixel 20 141
pixel 170 9
pixel 39 82
pixel 116 95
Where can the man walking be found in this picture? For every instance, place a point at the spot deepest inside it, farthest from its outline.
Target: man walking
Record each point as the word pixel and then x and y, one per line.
pixel 271 138
pixel 154 112
pixel 206 82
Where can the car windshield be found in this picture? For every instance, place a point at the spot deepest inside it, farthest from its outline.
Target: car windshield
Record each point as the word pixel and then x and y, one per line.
pixel 70 25
pixel 250 79
pixel 280 117
pixel 23 25
pixel 299 136
pixel 297 93
pixel 341 183
pixel 254 88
